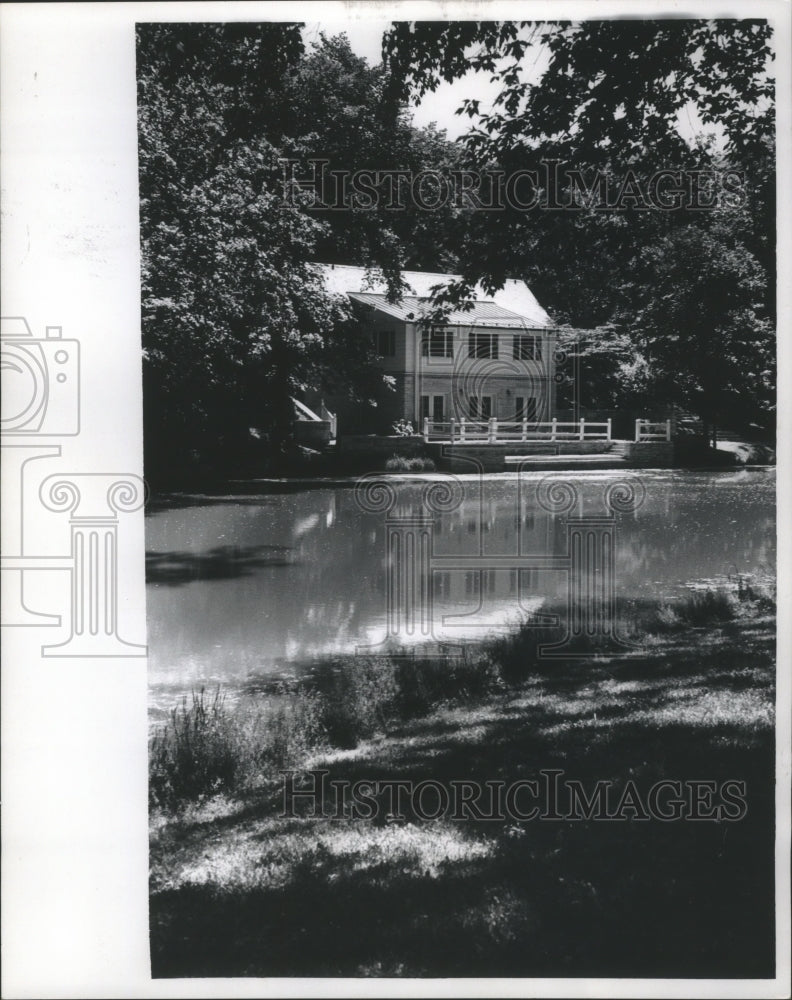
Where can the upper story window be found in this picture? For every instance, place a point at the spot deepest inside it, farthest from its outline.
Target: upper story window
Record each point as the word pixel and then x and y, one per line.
pixel 482 345
pixel 438 344
pixel 527 348
pixel 386 343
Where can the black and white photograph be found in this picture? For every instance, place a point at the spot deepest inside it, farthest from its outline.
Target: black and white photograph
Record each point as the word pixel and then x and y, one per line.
pixel 421 367
pixel 460 426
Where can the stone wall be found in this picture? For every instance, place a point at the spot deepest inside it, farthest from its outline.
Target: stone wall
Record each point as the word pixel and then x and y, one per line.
pixel 649 454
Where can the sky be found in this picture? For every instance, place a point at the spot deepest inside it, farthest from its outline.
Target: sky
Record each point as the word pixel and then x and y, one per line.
pixel 365 38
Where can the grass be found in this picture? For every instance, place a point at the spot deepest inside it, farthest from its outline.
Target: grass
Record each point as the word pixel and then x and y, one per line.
pixel 238 891
pixel 208 747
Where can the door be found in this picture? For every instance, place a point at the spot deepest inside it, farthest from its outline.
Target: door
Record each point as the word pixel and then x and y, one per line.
pixel 525 408
pixel 481 407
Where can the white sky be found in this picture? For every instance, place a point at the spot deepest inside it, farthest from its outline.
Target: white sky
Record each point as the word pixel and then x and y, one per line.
pixel 365 38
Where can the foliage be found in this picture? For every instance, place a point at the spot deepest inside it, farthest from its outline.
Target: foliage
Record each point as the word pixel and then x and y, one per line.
pixel 586 102
pixel 336 103
pixel 235 320
pixel 398 463
pixel 701 321
pixel 207 747
pixel 644 285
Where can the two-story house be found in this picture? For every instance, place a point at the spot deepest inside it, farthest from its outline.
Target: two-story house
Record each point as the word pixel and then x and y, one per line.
pixel 495 360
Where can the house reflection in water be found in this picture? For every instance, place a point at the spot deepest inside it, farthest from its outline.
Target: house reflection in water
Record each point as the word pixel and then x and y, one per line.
pixel 246 586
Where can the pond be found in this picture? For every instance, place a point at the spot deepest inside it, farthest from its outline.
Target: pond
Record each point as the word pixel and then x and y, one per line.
pixel 242 589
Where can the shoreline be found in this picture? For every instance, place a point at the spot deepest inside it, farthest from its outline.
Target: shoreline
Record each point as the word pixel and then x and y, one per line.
pixel 412 894
pixel 283 483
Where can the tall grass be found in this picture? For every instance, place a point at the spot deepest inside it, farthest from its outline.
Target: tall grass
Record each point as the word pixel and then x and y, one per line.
pixel 208 747
pixel 697 609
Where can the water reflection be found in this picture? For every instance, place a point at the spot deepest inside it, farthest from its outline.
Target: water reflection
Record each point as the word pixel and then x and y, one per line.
pixel 244 587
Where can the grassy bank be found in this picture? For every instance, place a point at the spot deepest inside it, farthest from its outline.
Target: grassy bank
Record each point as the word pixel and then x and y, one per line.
pixel 236 890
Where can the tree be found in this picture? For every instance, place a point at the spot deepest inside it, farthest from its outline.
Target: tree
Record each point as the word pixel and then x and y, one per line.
pixel 337 113
pixel 235 319
pixel 701 322
pixel 612 90
pixel 608 103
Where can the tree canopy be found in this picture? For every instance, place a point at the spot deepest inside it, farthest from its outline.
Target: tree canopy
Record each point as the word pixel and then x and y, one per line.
pixel 236 320
pixel 236 119
pixel 618 102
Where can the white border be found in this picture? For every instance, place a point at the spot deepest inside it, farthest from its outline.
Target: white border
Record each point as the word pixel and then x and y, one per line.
pixel 75 907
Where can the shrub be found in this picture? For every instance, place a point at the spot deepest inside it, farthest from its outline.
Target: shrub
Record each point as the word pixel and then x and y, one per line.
pixel 698 608
pixel 398 463
pixel 206 748
pixel 358 697
pixel 194 753
pixel 424 684
pixel 517 654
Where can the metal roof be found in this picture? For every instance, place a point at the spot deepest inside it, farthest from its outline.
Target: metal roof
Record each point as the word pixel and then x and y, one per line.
pixel 412 307
pixel 515 298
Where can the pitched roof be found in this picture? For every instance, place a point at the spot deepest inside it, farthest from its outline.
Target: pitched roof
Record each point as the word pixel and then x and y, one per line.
pixel 412 307
pixel 513 305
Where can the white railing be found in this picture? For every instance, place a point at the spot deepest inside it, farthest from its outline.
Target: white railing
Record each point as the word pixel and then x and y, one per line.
pixel 495 431
pixel 651 430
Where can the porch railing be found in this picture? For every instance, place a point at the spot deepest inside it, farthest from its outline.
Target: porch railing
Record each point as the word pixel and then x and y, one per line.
pixel 495 431
pixel 650 430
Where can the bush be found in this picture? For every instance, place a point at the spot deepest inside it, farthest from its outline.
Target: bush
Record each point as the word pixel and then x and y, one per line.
pixel 358 697
pixel 517 654
pixel 398 463
pixel 206 748
pixel 425 684
pixel 698 608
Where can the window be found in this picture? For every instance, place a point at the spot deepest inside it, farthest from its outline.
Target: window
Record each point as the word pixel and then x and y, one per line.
pixel 482 345
pixel 439 343
pixel 526 348
pixel 386 343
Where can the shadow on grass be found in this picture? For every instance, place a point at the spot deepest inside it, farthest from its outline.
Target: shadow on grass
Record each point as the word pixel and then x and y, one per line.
pixel 245 893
